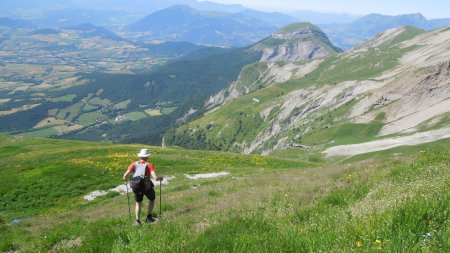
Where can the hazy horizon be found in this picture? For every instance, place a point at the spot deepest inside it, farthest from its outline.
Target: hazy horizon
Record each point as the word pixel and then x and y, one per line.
pixel 430 9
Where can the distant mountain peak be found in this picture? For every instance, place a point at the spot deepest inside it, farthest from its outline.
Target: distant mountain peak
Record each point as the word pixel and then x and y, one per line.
pixel 404 19
pixel 274 18
pixel 357 32
pixel 181 7
pixel 183 23
pixel 417 15
pixel 296 42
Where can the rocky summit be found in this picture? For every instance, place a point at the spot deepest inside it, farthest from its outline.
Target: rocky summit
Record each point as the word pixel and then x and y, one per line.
pixel 296 42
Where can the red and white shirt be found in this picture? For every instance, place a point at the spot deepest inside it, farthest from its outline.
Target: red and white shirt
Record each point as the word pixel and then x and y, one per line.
pixel 149 169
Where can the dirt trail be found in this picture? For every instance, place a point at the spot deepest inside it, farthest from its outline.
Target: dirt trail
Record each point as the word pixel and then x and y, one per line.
pixel 372 146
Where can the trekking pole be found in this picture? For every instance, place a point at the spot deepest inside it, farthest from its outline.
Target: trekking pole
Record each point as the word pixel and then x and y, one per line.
pixel 128 198
pixel 160 199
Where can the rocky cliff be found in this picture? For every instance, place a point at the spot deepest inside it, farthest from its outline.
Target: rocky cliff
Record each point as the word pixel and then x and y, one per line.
pixel 286 54
pixel 296 42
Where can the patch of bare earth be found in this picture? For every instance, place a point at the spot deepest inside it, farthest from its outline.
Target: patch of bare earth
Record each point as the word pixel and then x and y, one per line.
pixel 19 109
pixel 388 143
pixel 65 129
pixel 50 121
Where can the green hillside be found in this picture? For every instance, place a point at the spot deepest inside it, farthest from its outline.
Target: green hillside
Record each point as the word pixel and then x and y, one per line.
pixel 298 26
pixel 238 123
pixel 389 203
pixel 245 113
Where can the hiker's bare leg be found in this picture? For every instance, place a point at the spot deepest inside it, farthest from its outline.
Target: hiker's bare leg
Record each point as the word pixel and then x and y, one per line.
pixel 138 210
pixel 151 204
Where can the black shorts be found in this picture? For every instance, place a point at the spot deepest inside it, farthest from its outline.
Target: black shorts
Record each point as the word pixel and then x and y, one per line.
pixel 149 193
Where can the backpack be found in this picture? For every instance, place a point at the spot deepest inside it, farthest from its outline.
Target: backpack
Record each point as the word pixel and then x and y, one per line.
pixel 138 183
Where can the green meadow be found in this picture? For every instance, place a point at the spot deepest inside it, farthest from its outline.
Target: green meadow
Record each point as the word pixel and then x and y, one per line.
pixel 136 115
pixel 375 203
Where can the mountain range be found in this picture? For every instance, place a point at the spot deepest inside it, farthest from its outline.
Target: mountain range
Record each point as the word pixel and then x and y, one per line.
pixel 348 35
pixel 323 18
pixel 247 27
pixel 91 73
pixel 297 42
pixel 203 22
pixel 276 19
pixel 113 5
pixel 176 86
pixel 183 23
pixel 394 85
pixel 284 144
pixel 72 17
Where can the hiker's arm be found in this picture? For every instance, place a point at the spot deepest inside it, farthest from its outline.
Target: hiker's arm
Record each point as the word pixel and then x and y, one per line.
pixel 153 175
pixel 151 169
pixel 128 172
pixel 125 176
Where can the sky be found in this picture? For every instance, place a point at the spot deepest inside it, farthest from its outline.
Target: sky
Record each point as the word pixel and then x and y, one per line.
pixel 429 8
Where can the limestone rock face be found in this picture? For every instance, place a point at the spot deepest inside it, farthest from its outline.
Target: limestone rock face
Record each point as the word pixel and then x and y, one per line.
pixel 296 42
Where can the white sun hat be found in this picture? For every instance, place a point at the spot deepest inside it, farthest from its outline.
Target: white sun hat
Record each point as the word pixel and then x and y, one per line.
pixel 144 153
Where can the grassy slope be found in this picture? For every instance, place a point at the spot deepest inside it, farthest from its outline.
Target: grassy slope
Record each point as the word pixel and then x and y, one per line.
pixel 266 204
pixel 409 33
pixel 239 122
pixel 343 133
pixel 335 69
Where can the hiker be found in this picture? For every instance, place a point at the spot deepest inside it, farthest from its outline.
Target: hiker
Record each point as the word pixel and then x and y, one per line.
pixel 142 185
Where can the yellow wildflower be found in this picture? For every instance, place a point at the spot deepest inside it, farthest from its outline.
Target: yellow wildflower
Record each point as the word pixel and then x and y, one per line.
pixel 359 244
pixel 377 241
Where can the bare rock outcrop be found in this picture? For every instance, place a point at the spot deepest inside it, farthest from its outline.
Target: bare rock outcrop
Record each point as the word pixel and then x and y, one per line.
pixel 296 42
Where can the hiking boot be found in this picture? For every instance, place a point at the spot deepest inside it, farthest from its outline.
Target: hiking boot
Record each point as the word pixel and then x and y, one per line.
pixel 150 218
pixel 137 223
